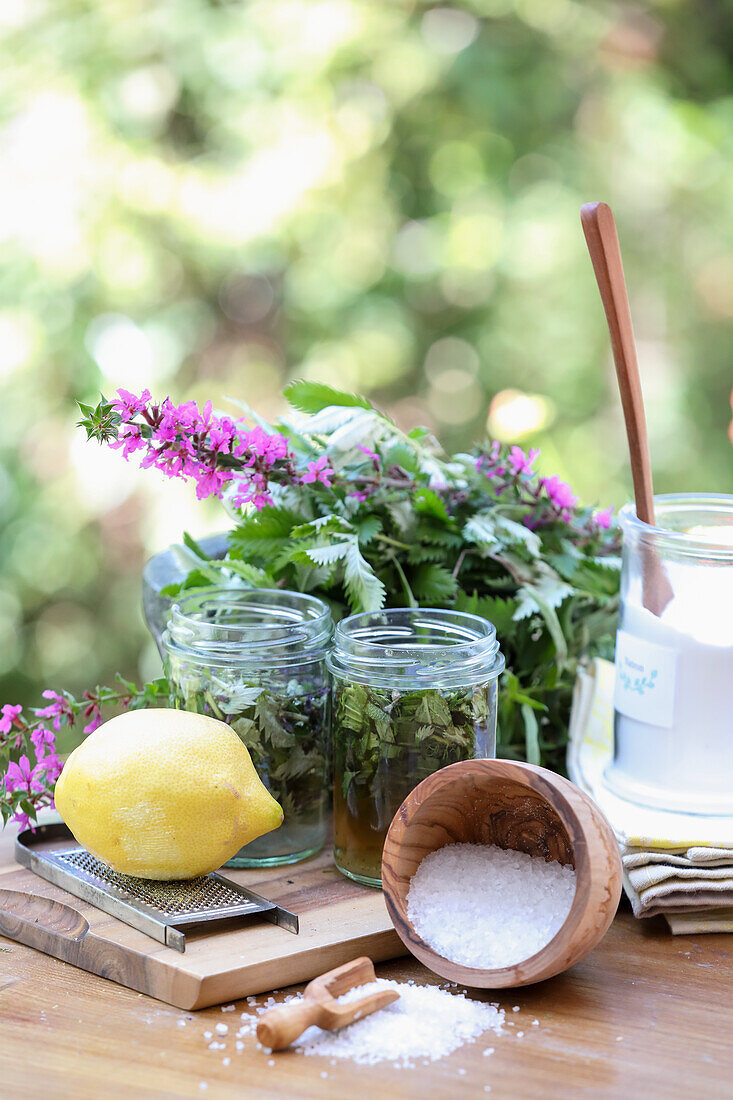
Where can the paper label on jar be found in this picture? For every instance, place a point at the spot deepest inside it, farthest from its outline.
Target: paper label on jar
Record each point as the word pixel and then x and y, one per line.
pixel 645 680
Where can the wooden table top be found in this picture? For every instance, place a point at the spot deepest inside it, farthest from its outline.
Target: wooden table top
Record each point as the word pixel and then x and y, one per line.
pixel 645 1014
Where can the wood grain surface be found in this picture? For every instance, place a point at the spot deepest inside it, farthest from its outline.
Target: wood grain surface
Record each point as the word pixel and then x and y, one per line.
pixel 518 806
pixel 645 1014
pixel 339 920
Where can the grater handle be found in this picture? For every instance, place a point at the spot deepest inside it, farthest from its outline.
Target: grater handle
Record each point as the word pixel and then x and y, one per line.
pixel 40 922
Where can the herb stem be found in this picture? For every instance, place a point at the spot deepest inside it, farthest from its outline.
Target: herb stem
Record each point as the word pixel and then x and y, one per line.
pixel 411 601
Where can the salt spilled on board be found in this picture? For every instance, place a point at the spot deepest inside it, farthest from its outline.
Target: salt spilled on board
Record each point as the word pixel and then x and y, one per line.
pixel 485 907
pixel 426 1023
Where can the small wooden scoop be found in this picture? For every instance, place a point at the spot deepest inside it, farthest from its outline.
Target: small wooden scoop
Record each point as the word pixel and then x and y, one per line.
pixel 279 1027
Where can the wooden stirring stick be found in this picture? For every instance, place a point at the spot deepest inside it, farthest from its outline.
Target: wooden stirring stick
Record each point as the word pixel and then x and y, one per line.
pixel 279 1027
pixel 605 253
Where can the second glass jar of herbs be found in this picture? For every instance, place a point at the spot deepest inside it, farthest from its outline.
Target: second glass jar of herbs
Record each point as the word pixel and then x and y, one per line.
pixel 413 690
pixel 257 661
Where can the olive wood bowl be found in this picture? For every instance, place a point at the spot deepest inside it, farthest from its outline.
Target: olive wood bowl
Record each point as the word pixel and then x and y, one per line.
pixel 516 806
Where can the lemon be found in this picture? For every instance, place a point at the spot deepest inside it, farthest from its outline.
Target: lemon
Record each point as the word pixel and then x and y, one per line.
pixel 164 794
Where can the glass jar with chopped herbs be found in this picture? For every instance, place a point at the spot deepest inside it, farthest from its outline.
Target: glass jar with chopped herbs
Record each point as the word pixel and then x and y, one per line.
pixel 413 690
pixel 257 661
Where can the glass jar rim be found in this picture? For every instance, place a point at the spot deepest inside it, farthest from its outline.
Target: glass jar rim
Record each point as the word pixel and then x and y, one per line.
pixel 241 626
pixel 385 646
pixel 701 510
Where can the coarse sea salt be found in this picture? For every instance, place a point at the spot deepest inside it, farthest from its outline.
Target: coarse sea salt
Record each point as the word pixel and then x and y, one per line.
pixel 485 907
pixel 426 1023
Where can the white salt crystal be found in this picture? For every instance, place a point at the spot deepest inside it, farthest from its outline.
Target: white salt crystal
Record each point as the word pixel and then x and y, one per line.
pixel 225 1061
pixel 520 1034
pixel 208 1034
pixel 426 1023
pixel 485 907
pixel 221 1029
pixel 228 1008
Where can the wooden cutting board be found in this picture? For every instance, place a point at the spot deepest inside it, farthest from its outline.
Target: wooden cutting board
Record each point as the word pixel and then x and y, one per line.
pixel 339 920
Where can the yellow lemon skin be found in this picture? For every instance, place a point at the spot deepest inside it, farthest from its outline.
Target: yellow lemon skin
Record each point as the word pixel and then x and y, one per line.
pixel 164 794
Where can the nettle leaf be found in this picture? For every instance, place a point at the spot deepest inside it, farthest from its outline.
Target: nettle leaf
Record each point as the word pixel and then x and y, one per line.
pixel 518 535
pixel 367 528
pixel 498 611
pixel 400 453
pixel 433 582
pixel 364 588
pixel 322 525
pixel 401 514
pixel 364 426
pixel 542 598
pixel 548 590
pixel 481 530
pixel 311 397
pixel 417 554
pixel 327 555
pixel 263 533
pixel 429 503
pixel 250 574
pixel 267 714
pixel 433 710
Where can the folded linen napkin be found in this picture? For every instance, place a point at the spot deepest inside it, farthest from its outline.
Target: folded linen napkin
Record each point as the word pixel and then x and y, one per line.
pixel 675 864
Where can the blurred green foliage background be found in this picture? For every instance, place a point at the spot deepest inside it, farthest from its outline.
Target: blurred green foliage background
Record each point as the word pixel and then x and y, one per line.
pixel 207 197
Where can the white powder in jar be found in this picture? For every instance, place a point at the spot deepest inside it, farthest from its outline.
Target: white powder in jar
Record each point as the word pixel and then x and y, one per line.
pixel 486 907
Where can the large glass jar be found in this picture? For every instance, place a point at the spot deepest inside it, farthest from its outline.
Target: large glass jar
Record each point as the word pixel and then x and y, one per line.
pixel 674 657
pixel 256 660
pixel 413 690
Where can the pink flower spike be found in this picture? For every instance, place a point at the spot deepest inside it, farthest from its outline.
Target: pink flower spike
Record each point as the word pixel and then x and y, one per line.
pixel 604 518
pixel 8 717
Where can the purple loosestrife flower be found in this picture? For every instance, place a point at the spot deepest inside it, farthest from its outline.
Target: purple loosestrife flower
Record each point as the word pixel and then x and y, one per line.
pixel 51 765
pixel 22 776
pixel 8 717
pixel 183 441
pixel 604 518
pixel 58 710
pixel 41 737
pixel 318 471
pixel 128 405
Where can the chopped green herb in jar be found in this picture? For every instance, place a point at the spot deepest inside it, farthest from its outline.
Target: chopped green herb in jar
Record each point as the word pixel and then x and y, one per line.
pixel 385 743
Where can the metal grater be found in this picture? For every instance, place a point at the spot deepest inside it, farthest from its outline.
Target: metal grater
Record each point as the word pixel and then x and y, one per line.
pixel 160 909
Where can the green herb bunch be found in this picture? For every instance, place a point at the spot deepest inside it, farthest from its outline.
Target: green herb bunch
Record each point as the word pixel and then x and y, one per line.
pixel 404 524
pixel 365 516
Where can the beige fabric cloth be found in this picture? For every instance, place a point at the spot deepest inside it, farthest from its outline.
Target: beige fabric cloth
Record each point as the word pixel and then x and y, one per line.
pixel 676 865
